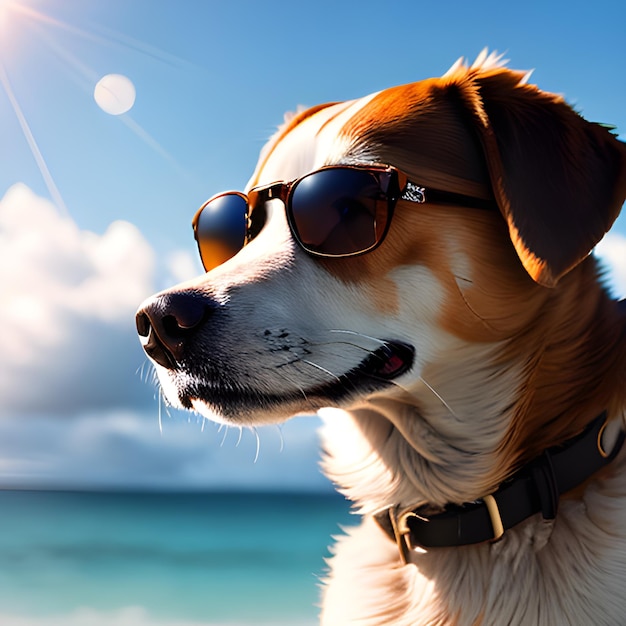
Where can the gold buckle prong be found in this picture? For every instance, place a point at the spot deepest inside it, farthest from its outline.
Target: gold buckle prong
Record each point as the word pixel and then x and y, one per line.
pixel 603 453
pixel 494 516
pixel 402 532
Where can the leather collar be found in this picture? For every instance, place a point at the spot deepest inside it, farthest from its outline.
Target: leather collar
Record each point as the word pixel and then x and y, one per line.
pixel 534 488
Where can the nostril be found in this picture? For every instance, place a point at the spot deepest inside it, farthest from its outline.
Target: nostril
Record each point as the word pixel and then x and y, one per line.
pixel 176 327
pixel 184 312
pixel 166 323
pixel 143 324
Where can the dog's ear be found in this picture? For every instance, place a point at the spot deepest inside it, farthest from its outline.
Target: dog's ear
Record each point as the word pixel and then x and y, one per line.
pixel 559 180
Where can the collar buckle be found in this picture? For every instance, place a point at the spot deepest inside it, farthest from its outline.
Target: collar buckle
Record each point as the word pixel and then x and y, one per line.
pixel 404 535
pixel 402 532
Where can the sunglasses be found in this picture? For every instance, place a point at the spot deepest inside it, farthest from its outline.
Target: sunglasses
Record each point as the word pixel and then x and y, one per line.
pixel 336 211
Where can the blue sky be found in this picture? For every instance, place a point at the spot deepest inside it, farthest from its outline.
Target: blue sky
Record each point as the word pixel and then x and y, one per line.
pixel 95 209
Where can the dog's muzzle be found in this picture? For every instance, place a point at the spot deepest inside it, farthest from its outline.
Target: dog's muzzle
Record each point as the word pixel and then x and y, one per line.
pixel 192 340
pixel 167 321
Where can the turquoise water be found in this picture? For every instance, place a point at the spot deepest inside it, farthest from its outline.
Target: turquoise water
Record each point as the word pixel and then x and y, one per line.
pixel 137 559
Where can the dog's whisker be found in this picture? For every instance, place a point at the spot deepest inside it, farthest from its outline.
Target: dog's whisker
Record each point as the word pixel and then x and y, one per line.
pixel 430 388
pixel 258 445
pixel 318 367
pixel 224 437
pixel 293 362
pixel 469 281
pixel 322 369
pixel 358 334
pixel 282 439
pixel 140 371
pixel 396 384
pixel 467 304
pixel 148 375
pixel 306 398
pixel 160 404
pixel 342 344
pixel 239 437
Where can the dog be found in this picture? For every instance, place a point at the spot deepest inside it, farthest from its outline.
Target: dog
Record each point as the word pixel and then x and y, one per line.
pixel 415 266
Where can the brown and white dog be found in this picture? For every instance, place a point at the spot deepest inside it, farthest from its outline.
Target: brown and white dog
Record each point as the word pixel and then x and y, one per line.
pixel 470 370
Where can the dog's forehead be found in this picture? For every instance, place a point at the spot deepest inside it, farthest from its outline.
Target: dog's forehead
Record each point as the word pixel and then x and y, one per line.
pixel 315 139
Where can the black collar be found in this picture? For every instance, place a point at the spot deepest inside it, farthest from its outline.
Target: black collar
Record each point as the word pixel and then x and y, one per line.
pixel 534 488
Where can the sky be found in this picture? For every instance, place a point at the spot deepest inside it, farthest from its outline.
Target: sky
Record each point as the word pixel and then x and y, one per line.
pixel 95 208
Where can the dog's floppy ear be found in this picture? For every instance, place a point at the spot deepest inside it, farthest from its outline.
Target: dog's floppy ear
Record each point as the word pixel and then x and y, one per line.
pixel 559 180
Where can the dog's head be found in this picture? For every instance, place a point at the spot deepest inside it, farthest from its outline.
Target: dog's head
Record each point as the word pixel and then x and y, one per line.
pixel 490 192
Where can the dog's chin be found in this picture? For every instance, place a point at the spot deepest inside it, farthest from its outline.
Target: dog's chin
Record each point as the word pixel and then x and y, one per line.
pixel 229 402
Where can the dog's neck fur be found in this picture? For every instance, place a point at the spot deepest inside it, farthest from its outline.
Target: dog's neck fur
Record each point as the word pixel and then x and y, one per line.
pixel 482 409
pixel 456 442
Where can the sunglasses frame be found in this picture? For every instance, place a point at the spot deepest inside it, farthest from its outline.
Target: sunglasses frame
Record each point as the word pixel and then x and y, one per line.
pixel 393 184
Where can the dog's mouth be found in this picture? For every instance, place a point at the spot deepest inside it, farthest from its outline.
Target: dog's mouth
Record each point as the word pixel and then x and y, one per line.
pixel 238 403
pixel 391 360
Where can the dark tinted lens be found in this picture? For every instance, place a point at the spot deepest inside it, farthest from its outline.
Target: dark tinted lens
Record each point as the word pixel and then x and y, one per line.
pixel 221 229
pixel 338 212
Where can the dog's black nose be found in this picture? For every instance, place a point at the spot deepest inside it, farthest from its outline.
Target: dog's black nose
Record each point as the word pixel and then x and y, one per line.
pixel 166 321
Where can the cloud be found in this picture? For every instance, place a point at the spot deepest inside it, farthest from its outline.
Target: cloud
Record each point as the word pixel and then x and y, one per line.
pixel 612 252
pixel 67 320
pixel 130 450
pixel 181 265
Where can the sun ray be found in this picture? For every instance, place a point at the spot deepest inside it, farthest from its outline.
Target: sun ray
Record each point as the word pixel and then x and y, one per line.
pixel 152 143
pixel 106 36
pixel 88 76
pixel 53 190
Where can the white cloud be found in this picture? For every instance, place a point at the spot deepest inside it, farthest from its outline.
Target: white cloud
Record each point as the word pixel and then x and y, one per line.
pixel 612 252
pixel 67 320
pixel 181 265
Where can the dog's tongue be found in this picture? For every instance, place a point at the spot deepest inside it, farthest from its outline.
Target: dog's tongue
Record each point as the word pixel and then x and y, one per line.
pixel 390 361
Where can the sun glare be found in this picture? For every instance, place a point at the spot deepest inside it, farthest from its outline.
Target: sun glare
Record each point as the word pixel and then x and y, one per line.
pixel 5 8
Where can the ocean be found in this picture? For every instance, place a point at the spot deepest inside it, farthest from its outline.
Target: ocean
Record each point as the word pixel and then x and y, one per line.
pixel 164 559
